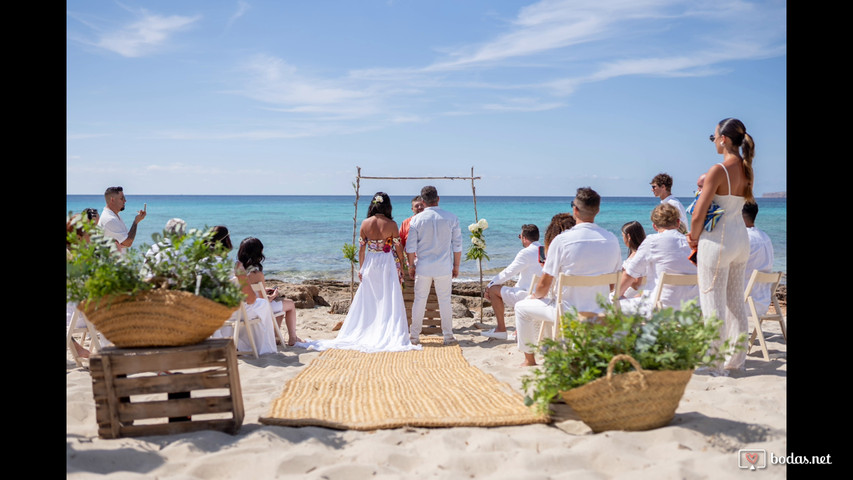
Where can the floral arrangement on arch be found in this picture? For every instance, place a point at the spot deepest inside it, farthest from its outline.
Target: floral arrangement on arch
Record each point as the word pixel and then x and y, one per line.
pixel 477 250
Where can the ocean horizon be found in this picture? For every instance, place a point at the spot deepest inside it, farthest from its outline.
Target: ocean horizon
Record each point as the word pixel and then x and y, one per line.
pixel 303 235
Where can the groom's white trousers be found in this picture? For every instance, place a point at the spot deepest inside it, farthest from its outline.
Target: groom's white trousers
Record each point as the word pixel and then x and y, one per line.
pixel 443 288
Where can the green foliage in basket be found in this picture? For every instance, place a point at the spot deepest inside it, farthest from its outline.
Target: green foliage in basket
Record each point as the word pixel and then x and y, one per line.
pixel 95 269
pixel 670 340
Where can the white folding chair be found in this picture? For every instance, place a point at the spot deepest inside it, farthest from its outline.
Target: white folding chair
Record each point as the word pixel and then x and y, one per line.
pixel 675 280
pixel 239 323
pixel 579 281
pixel 86 330
pixel 261 292
pixel 755 318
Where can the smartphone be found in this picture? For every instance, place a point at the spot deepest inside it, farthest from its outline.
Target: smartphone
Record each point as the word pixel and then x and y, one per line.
pixel 692 256
pixel 144 207
pixel 541 254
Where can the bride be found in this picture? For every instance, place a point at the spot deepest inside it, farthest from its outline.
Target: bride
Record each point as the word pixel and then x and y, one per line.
pixel 376 321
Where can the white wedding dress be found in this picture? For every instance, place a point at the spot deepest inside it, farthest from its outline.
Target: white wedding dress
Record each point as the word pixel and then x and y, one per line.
pixel 376 320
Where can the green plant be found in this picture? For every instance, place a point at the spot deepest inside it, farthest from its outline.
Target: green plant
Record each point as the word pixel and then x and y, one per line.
pixel 670 340
pixel 350 253
pixel 96 270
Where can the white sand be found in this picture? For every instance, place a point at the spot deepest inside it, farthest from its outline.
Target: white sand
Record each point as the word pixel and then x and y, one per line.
pixel 716 417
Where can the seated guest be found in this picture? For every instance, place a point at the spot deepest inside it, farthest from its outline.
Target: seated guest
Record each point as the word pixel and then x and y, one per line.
pixel 633 235
pixel 662 188
pixel 585 249
pixel 666 251
pixel 221 237
pixel 249 270
pixel 154 255
pixel 559 224
pixel 250 257
pixel 525 266
pixel 760 257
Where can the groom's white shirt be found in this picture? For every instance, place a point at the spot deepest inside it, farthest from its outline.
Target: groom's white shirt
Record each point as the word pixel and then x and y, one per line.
pixel 431 232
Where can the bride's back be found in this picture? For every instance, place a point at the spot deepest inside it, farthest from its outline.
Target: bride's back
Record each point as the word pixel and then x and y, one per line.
pixel 378 227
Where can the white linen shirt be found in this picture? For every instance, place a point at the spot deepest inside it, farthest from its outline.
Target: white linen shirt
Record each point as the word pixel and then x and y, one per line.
pixel 525 265
pixel 434 235
pixel 682 213
pixel 666 251
pixel 761 259
pixel 585 249
pixel 113 227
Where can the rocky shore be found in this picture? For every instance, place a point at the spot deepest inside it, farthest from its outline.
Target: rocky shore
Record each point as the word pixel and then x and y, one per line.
pixel 466 297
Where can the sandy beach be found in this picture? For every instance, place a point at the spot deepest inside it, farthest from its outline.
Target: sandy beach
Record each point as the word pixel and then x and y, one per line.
pixel 716 418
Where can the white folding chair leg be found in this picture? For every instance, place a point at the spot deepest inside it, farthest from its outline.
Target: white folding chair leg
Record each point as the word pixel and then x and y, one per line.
pixel 260 290
pixel 757 333
pixel 545 331
pixel 244 323
pixel 69 339
pixel 89 330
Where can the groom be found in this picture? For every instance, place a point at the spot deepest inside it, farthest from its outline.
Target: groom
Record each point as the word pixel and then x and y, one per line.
pixel 436 240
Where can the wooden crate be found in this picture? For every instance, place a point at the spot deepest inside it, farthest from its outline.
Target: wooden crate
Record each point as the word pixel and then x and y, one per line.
pixel 432 317
pixel 135 396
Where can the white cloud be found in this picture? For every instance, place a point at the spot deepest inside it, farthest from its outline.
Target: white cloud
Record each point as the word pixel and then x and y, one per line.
pixel 147 35
pixel 550 49
pixel 242 8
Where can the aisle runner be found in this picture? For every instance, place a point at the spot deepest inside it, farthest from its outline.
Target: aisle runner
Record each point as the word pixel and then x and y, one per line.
pixel 434 387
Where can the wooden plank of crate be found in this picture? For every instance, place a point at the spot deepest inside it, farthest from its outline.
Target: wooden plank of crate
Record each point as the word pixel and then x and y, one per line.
pixel 234 384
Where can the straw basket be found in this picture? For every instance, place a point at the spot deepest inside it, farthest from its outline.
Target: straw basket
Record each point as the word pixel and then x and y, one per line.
pixel 636 400
pixel 156 318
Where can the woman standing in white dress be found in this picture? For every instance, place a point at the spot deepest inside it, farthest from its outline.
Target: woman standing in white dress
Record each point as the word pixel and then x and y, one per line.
pixel 724 251
pixel 376 320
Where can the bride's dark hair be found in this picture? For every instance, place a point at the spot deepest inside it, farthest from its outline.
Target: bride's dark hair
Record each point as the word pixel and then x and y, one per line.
pixel 380 203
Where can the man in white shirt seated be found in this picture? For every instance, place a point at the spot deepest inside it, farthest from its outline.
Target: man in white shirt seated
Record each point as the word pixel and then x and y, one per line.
pixel 760 257
pixel 585 249
pixel 662 188
pixel 525 266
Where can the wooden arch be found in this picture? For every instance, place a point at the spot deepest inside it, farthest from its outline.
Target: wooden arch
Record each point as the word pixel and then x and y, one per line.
pixel 357 186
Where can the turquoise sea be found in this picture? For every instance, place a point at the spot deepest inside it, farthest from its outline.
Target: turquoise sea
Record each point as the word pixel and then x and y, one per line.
pixel 303 235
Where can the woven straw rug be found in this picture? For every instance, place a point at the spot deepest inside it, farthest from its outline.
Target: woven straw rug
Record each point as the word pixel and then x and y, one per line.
pixel 434 387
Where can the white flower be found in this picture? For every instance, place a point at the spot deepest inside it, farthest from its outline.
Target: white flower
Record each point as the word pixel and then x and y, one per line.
pixel 473 227
pixel 478 242
pixel 483 224
pixel 377 199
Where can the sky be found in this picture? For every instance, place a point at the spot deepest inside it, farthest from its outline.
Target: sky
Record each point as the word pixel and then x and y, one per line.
pixel 274 97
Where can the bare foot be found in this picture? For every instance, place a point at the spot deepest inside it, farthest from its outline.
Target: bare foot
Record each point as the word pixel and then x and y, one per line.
pixel 338 326
pixel 292 343
pixel 528 364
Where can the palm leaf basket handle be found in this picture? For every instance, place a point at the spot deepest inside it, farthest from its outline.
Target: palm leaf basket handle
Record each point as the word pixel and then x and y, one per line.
pixel 635 363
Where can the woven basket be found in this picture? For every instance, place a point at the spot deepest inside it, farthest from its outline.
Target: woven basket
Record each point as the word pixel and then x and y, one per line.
pixel 636 400
pixel 156 318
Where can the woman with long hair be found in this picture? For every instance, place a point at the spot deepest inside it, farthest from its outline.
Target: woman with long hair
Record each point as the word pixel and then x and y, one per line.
pixel 633 235
pixel 721 241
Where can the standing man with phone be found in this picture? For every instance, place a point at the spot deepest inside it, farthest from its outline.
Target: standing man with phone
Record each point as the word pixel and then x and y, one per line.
pixel 435 237
pixel 112 224
pixel 526 265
